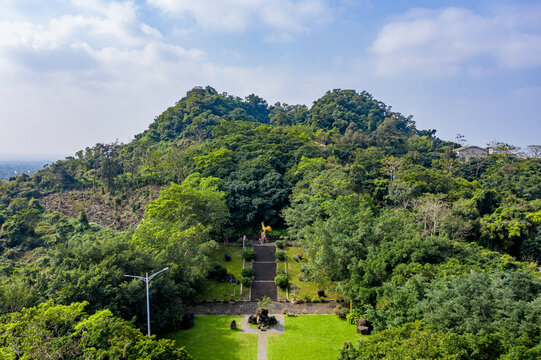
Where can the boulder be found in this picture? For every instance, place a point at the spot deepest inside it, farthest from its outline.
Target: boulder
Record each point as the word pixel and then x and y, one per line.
pixel 230 278
pixel 272 321
pixel 362 321
pixel 252 319
pixel 363 330
pixel 262 312
pixel 233 325
pixel 364 326
pixel 321 293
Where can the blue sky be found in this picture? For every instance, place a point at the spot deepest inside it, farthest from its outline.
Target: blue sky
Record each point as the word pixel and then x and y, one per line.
pixel 77 72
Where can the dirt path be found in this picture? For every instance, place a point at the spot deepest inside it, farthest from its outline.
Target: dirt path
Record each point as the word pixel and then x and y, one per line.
pixel 264 268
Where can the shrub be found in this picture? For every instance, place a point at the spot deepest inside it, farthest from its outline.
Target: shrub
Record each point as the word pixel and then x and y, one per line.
pixel 353 315
pixel 280 255
pixel 246 273
pixel 341 311
pixel 264 303
pixel 315 300
pixel 248 255
pixel 280 244
pixel 281 281
pixel 216 272
pixel 227 256
pixel 246 281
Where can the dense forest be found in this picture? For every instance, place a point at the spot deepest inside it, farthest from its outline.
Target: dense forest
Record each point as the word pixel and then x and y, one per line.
pixel 433 250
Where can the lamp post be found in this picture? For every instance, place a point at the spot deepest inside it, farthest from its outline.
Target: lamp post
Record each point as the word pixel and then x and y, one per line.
pixel 147 279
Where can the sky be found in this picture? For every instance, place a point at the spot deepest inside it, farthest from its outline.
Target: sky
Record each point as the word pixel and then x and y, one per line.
pixel 77 72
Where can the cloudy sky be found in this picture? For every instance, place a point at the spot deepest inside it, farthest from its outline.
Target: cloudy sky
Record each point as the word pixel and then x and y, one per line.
pixel 77 72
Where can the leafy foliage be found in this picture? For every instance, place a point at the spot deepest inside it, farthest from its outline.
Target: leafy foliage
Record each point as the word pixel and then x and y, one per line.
pixel 51 331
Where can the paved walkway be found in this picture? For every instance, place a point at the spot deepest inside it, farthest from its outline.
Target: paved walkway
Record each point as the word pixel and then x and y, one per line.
pixel 262 346
pixel 248 308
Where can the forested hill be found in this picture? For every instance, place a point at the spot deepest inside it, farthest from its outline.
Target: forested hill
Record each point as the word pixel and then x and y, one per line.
pixel 242 141
pixel 424 244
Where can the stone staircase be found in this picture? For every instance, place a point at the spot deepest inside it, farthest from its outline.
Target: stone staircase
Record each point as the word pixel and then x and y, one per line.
pixel 264 268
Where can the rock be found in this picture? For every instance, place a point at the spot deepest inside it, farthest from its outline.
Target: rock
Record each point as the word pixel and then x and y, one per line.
pixel 272 321
pixel 321 293
pixel 230 278
pixel 262 312
pixel 252 319
pixel 364 326
pixel 362 321
pixel 187 321
pixel 363 330
pixel 233 325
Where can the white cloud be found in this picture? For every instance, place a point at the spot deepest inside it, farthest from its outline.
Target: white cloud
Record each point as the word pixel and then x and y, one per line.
pixel 96 71
pixel 239 15
pixel 456 40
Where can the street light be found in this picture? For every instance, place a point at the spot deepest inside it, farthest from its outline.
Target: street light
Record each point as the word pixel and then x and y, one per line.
pixel 147 279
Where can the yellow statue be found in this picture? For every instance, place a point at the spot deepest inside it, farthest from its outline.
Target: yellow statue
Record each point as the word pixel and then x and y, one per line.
pixel 265 228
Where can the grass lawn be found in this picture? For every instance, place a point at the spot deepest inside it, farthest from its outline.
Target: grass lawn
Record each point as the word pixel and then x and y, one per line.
pixel 311 337
pixel 215 290
pixel 211 339
pixel 301 289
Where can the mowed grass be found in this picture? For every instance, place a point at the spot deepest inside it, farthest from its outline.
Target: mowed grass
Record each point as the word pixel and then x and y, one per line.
pixel 302 290
pixel 211 339
pixel 311 337
pixel 215 290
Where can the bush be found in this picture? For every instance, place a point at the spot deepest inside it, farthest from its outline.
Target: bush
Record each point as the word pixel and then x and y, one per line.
pixel 280 255
pixel 341 311
pixel 248 255
pixel 216 272
pixel 353 315
pixel 280 244
pixel 246 281
pixel 247 273
pixel 227 256
pixel 281 281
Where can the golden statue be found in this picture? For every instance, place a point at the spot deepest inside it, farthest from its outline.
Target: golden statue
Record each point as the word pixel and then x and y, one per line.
pixel 265 228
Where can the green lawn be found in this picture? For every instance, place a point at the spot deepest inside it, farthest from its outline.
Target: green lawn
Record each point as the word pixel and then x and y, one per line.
pixel 311 337
pixel 214 290
pixel 302 290
pixel 212 339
